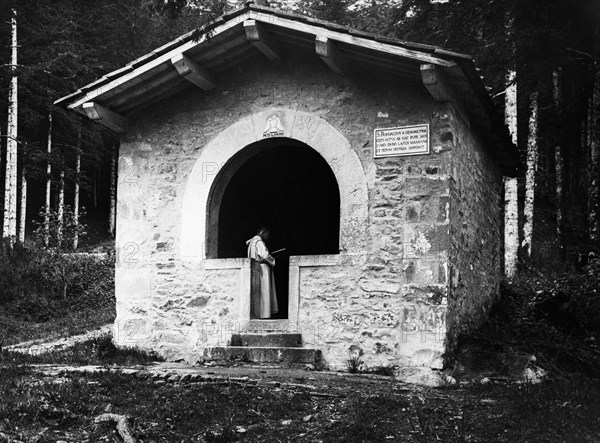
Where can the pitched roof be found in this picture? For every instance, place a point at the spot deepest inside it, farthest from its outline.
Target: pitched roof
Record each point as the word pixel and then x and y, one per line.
pixel 198 55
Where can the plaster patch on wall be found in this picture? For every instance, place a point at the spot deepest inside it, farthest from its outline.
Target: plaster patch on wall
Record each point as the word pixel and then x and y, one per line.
pixel 137 283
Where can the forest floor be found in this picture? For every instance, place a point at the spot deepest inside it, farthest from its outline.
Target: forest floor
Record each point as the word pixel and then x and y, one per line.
pixel 172 403
pixel 57 342
pixel 75 322
pixel 57 396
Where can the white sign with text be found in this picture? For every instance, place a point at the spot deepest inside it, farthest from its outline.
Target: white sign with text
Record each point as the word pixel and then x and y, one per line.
pixel 406 140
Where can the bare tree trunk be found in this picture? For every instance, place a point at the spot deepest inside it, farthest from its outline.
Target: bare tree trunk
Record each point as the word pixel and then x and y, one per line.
pixel 48 182
pixel 583 138
pixel 113 193
pixel 532 163
pixel 9 227
pixel 558 162
pixel 61 208
pixel 76 196
pixel 593 143
pixel 511 206
pixel 23 214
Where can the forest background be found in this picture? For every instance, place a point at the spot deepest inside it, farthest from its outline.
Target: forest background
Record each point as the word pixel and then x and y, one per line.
pixel 539 60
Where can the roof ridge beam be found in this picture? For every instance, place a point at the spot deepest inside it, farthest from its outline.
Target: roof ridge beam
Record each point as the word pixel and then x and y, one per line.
pixel 440 89
pixel 192 72
pixel 106 117
pixel 262 40
pixel 367 43
pixel 151 61
pixel 331 55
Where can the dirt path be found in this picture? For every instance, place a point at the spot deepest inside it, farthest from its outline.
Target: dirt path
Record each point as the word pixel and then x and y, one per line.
pixel 36 347
pixel 249 373
pixel 254 403
pixel 259 403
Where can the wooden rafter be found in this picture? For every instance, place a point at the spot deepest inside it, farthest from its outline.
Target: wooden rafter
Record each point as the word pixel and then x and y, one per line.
pixel 440 89
pixel 104 116
pixel 332 57
pixel 262 40
pixel 151 84
pixel 193 72
pixel 154 96
pixel 126 77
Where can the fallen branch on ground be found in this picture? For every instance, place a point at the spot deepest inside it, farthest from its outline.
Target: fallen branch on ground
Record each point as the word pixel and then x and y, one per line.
pixel 122 422
pixel 324 394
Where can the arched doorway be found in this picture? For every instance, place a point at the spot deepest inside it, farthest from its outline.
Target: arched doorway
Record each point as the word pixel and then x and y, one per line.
pixel 285 185
pixel 195 245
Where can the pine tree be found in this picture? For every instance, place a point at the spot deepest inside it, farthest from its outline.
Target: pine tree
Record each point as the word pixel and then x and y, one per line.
pixel 113 193
pixel 76 193
pixel 48 182
pixel 23 213
pixel 530 177
pixel 9 229
pixel 511 189
pixel 558 164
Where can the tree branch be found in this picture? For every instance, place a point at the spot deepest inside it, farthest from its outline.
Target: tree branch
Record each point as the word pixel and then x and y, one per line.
pixel 590 56
pixel 12 138
pixel 122 422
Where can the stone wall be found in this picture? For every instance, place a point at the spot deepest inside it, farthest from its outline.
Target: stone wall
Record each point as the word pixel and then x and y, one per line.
pixel 386 299
pixel 476 239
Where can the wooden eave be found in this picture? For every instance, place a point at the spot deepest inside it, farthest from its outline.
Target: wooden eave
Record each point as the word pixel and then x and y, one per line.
pixel 223 43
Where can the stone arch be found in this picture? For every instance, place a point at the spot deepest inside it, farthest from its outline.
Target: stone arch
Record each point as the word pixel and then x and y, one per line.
pixel 293 124
pixel 300 204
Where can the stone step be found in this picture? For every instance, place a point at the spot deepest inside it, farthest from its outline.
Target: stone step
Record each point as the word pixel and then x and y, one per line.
pixel 267 340
pixel 262 354
pixel 276 325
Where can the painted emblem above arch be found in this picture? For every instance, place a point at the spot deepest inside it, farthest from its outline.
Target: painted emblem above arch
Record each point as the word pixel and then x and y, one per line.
pixel 274 128
pixel 276 122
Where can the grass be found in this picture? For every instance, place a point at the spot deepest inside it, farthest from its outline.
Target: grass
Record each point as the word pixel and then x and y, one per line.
pixel 162 413
pixel 50 410
pixel 95 351
pixel 565 408
pixel 46 294
pixel 17 330
pixel 562 409
pixel 518 325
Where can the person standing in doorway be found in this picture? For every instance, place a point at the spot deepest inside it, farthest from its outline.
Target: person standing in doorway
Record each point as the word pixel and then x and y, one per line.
pixel 264 303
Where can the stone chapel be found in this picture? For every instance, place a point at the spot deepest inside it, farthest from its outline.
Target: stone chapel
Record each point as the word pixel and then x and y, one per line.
pixel 376 163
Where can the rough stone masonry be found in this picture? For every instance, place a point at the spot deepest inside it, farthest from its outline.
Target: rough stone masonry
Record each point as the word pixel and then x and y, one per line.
pixel 428 241
pixel 415 150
